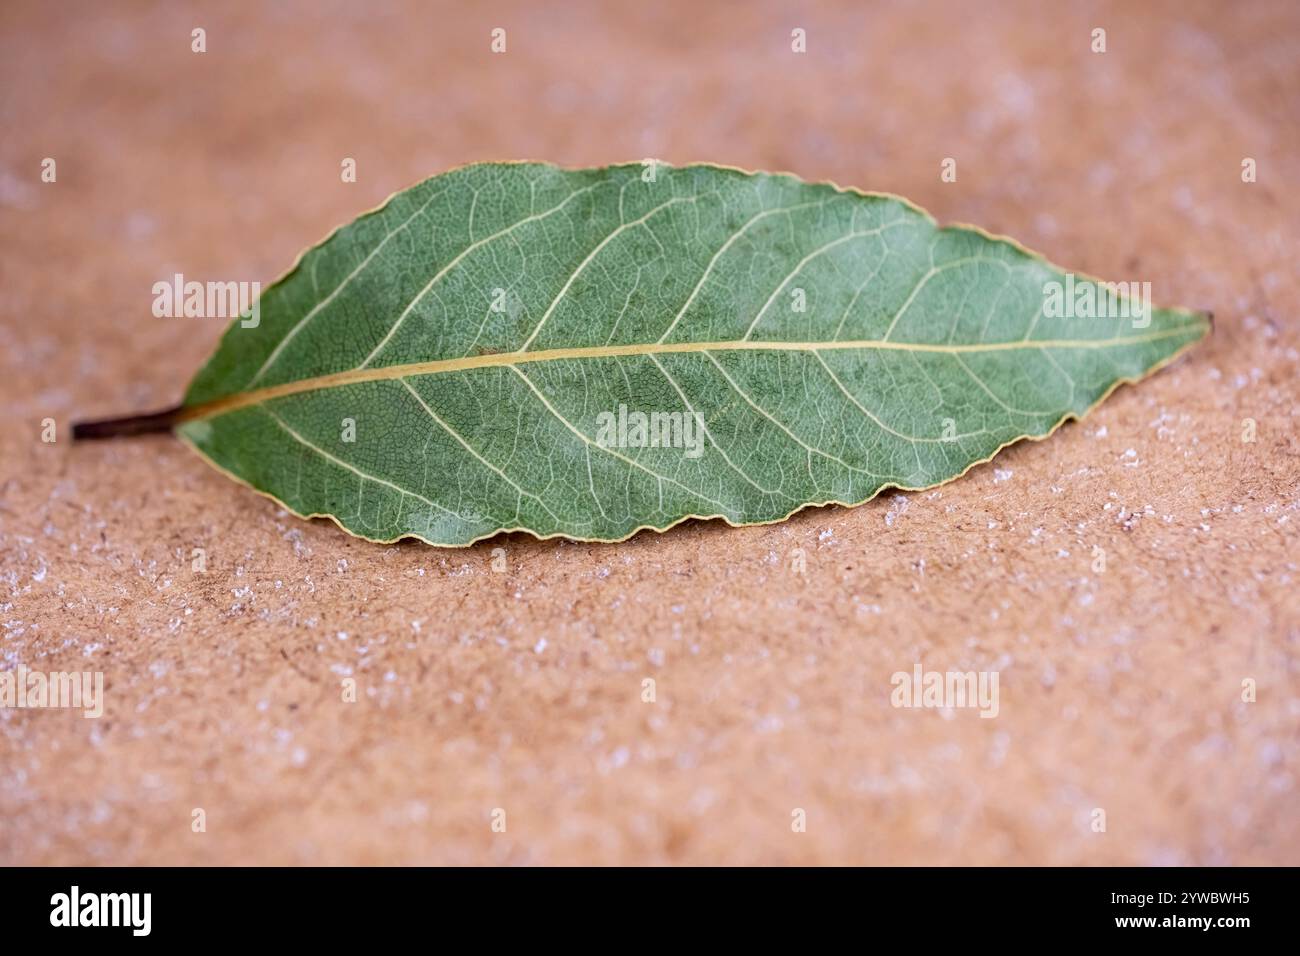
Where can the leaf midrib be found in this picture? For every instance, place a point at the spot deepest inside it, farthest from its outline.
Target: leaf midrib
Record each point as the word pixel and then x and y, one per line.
pixel 230 403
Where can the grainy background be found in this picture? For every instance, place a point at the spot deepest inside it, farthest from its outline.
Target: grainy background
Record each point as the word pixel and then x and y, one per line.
pixel 1120 690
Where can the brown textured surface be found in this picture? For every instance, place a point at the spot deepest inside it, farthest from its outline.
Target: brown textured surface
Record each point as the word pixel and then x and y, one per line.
pixel 522 690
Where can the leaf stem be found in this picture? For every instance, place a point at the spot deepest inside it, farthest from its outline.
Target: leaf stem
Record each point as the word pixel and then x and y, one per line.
pixel 160 421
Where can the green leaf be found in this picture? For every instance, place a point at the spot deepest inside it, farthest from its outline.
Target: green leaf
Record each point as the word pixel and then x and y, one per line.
pixel 472 356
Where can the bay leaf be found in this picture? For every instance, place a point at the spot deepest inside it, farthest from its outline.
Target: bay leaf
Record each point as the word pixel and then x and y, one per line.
pixel 592 352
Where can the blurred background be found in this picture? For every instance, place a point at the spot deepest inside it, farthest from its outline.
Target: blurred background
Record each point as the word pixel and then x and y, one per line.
pixel 482 692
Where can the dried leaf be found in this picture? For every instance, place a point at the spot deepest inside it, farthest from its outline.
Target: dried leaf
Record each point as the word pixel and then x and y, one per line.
pixel 481 353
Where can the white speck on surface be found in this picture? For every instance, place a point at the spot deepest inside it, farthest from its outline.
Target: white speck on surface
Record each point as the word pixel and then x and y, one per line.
pixel 896 510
